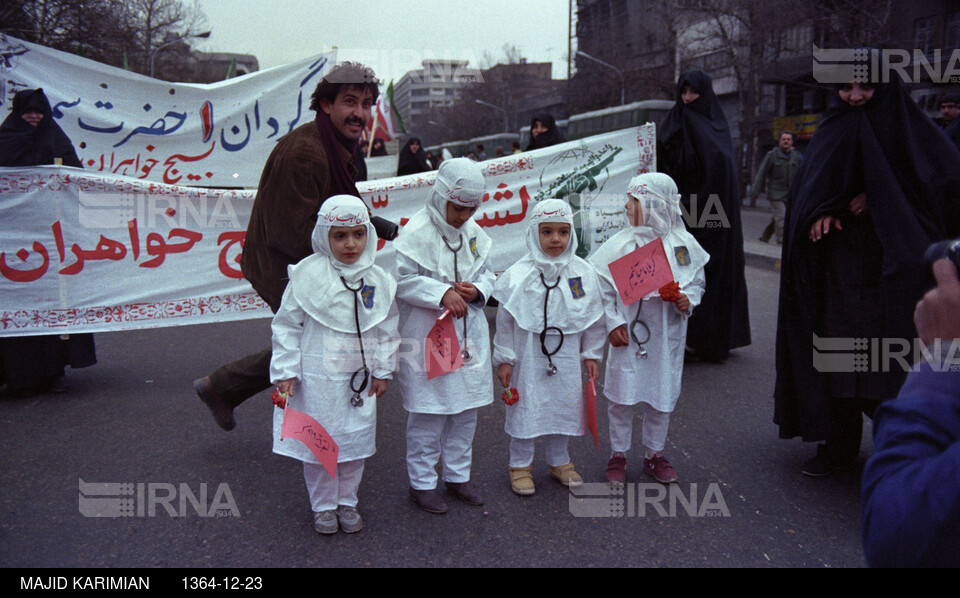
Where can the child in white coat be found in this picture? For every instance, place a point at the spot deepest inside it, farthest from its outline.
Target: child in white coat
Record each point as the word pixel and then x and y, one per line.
pixel 550 318
pixel 647 338
pixel 441 257
pixel 334 346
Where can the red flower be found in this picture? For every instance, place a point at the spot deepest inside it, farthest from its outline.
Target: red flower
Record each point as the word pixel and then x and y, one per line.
pixel 670 292
pixel 510 396
pixel 279 398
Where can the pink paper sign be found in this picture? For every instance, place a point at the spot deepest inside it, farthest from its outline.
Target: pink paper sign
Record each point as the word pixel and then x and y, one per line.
pixel 300 426
pixel 442 349
pixel 641 271
pixel 590 405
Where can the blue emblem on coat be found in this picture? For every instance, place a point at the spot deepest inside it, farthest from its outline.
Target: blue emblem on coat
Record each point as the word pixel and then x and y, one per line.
pixel 682 255
pixel 576 287
pixel 366 293
pixel 473 248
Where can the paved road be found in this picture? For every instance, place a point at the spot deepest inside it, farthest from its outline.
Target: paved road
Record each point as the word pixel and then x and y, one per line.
pixel 133 419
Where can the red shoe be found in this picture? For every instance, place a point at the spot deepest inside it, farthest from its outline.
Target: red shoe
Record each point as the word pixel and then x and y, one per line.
pixel 617 469
pixel 660 469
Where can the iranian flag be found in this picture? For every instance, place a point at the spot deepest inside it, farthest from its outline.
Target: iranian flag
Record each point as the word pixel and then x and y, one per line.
pixel 386 123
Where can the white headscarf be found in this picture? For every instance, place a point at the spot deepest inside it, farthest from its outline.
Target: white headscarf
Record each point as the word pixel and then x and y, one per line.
pixel 660 201
pixel 317 282
pixel 430 241
pixel 555 211
pixel 575 302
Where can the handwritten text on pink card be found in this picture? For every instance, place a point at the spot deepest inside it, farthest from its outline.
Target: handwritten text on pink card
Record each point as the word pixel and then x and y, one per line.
pixel 302 427
pixel 641 271
pixel 442 349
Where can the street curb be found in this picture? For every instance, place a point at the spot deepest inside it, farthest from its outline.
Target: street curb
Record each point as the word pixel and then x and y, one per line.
pixel 764 262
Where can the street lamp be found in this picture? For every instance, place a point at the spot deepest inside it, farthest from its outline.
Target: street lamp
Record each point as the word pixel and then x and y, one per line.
pixel 441 125
pixel 506 115
pixel 609 66
pixel 153 54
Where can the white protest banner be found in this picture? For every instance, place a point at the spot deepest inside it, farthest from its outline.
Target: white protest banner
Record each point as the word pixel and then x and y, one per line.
pixel 82 251
pixel 592 174
pixel 123 123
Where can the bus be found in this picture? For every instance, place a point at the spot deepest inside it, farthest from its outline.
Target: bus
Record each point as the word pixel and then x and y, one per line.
pixel 618 117
pixel 461 148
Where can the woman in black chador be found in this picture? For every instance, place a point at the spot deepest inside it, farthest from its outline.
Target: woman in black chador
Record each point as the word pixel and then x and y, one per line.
pixel 29 137
pixel 879 184
pixel 694 147
pixel 543 131
pixel 412 158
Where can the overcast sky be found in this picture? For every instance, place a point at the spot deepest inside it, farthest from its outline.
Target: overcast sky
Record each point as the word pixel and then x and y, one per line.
pixel 392 36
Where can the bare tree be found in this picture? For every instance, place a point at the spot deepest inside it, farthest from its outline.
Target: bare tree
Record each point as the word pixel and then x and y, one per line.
pixel 162 27
pixel 504 83
pixel 121 34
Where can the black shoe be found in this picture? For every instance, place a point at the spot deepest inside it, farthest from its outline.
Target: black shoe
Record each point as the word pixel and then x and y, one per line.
pixel 429 500
pixel 221 410
pixel 825 463
pixel 466 491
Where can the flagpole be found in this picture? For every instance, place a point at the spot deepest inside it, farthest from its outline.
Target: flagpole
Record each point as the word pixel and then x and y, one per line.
pixel 373 131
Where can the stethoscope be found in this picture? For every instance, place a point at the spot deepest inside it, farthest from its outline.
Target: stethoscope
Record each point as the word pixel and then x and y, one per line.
pixel 363 371
pixel 551 369
pixel 456 276
pixel 641 352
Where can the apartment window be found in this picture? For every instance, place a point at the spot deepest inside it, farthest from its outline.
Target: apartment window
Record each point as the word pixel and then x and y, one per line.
pixel 953 32
pixel 924 37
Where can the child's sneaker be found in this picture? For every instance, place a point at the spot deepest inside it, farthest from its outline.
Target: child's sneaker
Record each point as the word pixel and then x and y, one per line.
pixel 660 469
pixel 349 518
pixel 617 469
pixel 521 482
pixel 567 475
pixel 325 522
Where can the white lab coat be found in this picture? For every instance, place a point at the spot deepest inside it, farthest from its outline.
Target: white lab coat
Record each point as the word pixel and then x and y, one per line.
pixel 419 294
pixel 323 360
pixel 548 404
pixel 656 380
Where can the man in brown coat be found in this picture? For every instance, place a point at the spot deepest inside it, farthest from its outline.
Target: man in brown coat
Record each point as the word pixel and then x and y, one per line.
pixel 311 163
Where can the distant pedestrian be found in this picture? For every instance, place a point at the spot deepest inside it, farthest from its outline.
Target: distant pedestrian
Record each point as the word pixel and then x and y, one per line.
pixel 543 131
pixel 775 173
pixel 412 159
pixel 379 148
pixel 950 111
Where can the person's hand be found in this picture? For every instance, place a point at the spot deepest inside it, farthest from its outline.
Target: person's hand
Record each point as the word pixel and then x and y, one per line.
pixel 504 373
pixel 286 386
pixel 822 226
pixel 938 314
pixel 378 386
pixel 683 303
pixel 455 303
pixel 618 336
pixel 590 365
pixel 466 290
pixel 858 204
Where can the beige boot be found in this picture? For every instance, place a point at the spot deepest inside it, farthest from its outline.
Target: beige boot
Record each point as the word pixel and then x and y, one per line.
pixel 521 481
pixel 567 475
